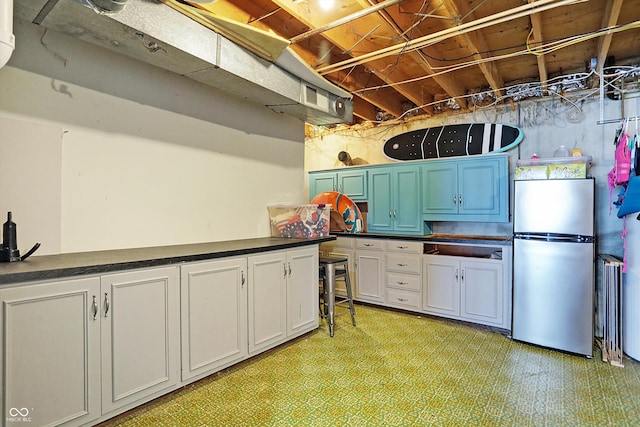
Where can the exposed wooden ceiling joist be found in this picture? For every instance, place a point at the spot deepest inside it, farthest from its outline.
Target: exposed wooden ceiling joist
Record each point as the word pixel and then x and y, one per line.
pixel 406 57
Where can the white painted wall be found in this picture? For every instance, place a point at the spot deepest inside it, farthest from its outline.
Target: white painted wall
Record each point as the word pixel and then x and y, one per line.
pixel 147 157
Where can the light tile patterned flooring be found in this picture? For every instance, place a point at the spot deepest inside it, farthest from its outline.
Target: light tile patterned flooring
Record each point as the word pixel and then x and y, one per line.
pixel 398 369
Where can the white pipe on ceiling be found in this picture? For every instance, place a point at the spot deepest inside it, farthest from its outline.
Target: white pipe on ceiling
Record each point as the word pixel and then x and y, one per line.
pixel 7 39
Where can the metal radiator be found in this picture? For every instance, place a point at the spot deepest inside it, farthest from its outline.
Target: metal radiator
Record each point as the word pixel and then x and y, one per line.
pixel 612 309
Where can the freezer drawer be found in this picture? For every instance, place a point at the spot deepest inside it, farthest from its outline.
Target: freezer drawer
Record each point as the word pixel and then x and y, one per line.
pixel 553 294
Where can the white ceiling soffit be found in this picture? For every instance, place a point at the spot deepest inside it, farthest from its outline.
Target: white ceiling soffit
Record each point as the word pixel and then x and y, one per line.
pixel 159 35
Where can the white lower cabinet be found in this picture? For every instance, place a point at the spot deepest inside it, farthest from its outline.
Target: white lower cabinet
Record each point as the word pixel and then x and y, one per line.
pixel 370 268
pixel 283 296
pixel 481 292
pixel 466 288
pixel 403 274
pixel 50 353
pixel 74 350
pixel 140 333
pixel 302 291
pixel 465 281
pixel 77 351
pixel 441 293
pixel 213 301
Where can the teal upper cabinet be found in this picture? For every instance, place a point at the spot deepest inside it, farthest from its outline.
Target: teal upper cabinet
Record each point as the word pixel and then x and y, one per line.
pixel 394 200
pixel 352 182
pixel 466 189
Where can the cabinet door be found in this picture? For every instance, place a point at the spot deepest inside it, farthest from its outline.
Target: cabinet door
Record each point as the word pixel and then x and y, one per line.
pixel 441 294
pixel 440 188
pixel 406 200
pixel 302 290
pixel 379 217
pixel 482 291
pixel 479 187
pixel 353 183
pixel 213 302
pixel 370 274
pixel 50 353
pixel 140 335
pixel 321 181
pixel 267 300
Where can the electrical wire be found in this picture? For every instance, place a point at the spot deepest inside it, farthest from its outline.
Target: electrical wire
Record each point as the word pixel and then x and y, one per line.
pixel 544 49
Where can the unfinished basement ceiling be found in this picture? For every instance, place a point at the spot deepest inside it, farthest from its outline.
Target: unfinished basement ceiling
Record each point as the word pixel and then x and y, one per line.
pixel 403 58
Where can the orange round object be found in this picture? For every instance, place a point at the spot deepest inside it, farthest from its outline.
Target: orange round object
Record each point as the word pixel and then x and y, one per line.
pixel 342 204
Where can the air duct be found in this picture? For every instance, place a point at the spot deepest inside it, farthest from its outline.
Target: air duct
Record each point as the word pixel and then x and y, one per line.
pixel 7 39
pixel 152 32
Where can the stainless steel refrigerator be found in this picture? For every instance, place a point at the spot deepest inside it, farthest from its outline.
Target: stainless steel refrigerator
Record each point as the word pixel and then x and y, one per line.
pixel 553 264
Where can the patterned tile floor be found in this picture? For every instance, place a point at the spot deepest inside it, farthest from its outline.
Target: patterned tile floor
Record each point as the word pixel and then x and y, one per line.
pixel 397 369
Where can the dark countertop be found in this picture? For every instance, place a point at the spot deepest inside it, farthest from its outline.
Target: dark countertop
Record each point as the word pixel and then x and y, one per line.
pixel 82 263
pixel 437 238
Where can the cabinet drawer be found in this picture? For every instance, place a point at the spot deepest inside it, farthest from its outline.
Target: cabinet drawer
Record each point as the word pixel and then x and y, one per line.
pixel 404 263
pixel 377 244
pixel 345 242
pixel 404 299
pixel 402 246
pixel 403 281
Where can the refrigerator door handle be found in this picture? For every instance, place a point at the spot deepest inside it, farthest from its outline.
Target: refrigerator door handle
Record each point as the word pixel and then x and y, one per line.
pixel 552 237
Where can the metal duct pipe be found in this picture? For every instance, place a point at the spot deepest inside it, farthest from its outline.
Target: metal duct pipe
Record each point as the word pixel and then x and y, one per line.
pixel 7 39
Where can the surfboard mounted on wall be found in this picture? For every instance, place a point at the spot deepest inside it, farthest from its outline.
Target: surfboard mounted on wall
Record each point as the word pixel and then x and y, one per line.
pixel 452 140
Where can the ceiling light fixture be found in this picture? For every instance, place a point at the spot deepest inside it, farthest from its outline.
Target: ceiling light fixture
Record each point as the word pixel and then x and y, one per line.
pixel 326 4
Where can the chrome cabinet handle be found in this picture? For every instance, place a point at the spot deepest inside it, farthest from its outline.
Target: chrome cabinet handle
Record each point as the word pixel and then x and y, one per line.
pixel 402 264
pixel 289 268
pixel 368 244
pixel 402 299
pixel 242 278
pixel 460 199
pixel 402 247
pixel 95 307
pixel 106 304
pixel 395 213
pixel 456 274
pixel 399 282
pixel 462 275
pixel 390 213
pixel 455 199
pixel 284 267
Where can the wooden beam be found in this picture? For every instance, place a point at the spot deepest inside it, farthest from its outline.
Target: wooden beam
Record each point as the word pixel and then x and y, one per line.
pixel 536 26
pixel 446 82
pixel 345 20
pixel 344 39
pixel 518 12
pixel 478 45
pixel 609 19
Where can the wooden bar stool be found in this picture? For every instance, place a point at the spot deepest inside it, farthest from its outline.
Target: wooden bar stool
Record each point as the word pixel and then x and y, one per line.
pixel 332 268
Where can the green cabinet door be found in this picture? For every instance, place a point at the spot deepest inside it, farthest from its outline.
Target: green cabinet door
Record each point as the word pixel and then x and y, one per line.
pixel 379 217
pixel 394 200
pixel 406 210
pixel 440 188
pixel 466 189
pixel 320 182
pixel 352 182
pixel 480 188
